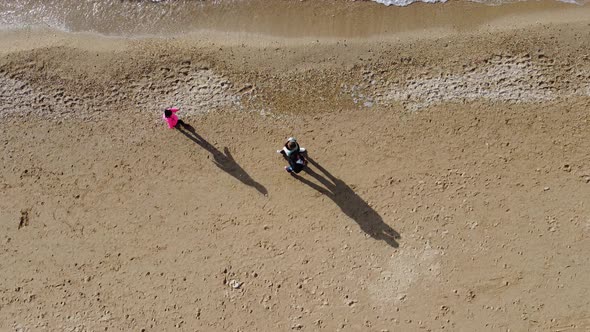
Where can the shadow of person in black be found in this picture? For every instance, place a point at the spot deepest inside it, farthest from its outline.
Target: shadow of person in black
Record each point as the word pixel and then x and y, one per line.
pixel 225 161
pixel 351 204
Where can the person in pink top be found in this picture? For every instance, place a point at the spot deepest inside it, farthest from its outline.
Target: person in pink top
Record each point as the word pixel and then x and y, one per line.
pixel 171 118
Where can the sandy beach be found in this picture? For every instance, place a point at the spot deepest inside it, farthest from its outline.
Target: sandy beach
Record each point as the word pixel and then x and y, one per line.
pixel 448 185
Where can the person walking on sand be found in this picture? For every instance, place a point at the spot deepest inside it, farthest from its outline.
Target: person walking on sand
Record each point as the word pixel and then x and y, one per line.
pixel 171 118
pixel 294 154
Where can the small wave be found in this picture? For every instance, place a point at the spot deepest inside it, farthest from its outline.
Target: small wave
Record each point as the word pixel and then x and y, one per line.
pixel 403 3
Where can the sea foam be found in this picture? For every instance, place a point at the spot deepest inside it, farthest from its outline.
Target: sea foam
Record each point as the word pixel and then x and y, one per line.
pixel 403 3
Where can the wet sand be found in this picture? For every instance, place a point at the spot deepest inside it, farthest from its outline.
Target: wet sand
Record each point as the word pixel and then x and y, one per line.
pixel 447 185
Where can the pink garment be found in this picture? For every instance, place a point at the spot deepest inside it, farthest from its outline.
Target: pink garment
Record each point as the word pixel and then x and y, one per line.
pixel 173 119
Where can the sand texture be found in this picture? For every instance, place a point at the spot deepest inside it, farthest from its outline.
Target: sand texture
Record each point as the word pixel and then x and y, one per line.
pixel 448 186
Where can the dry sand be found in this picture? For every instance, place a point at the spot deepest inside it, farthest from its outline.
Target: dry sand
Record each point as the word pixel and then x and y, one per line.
pixel 449 184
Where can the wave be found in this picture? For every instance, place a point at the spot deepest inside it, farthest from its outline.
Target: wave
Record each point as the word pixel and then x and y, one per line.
pixel 403 3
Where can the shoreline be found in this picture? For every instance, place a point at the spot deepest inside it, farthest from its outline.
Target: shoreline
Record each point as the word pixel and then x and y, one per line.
pixel 357 20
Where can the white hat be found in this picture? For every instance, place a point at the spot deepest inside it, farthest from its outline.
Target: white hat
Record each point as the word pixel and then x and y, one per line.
pixel 292 139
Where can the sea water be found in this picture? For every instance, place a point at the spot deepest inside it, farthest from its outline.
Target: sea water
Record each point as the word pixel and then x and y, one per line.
pixel 148 17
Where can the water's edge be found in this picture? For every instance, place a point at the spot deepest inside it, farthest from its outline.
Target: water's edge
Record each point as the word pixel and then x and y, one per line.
pixel 265 17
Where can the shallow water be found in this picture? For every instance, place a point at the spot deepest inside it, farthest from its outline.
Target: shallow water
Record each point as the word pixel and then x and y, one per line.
pixel 284 18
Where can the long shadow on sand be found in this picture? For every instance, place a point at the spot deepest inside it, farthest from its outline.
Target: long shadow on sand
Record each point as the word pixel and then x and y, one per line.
pixel 351 204
pixel 224 161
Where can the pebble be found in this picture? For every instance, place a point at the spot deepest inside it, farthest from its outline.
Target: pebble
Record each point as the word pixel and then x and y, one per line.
pixel 235 284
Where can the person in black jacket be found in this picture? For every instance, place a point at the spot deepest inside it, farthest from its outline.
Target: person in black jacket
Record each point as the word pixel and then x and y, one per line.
pixel 294 154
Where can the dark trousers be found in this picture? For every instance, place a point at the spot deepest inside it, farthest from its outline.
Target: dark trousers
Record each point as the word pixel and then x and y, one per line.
pixel 295 167
pixel 180 122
